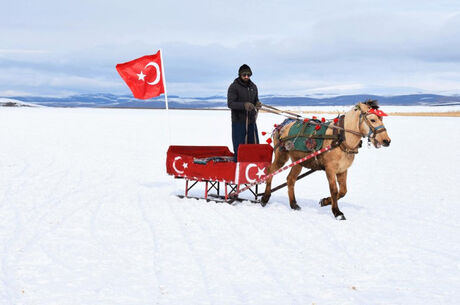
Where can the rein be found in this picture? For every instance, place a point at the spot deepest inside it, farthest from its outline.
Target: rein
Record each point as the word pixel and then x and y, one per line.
pixel 298 117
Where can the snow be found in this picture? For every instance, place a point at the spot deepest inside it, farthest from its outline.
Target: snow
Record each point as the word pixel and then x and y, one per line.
pixel 89 216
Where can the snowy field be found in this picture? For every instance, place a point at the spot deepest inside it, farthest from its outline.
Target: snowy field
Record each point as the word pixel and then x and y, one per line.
pixel 89 216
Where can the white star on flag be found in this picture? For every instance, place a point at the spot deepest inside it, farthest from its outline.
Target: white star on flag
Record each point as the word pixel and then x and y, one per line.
pixel 141 76
pixel 260 172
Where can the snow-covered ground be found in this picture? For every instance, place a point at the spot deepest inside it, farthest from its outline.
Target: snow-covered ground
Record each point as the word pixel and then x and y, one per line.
pixel 89 216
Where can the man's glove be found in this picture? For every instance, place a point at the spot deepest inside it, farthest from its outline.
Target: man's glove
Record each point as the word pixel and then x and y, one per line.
pixel 249 107
pixel 258 105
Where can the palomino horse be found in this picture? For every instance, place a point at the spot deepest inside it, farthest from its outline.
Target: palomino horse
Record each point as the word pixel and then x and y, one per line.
pixel 362 120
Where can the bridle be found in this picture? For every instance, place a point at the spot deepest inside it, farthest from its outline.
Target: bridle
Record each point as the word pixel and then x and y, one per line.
pixel 363 117
pixel 373 131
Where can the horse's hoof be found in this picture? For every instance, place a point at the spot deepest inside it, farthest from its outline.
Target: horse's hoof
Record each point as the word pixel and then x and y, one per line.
pixel 340 217
pixel 295 207
pixel 324 202
pixel 264 200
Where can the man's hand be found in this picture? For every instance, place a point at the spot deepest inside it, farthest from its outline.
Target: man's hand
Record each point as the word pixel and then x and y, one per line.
pixel 258 105
pixel 249 107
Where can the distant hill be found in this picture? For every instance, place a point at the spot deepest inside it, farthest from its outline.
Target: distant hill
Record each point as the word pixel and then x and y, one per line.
pixel 8 102
pixel 177 102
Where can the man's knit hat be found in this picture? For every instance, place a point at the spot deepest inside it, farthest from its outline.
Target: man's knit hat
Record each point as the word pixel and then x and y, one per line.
pixel 244 68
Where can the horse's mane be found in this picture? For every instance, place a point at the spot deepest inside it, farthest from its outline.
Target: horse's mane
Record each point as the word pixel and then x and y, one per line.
pixel 374 104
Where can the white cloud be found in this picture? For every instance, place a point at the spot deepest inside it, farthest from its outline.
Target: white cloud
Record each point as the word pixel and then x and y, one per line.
pixel 289 44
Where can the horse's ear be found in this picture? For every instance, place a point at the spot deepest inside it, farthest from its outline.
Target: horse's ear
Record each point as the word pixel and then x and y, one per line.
pixel 374 104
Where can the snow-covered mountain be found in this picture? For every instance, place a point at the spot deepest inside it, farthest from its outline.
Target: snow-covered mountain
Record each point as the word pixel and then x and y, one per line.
pixel 178 102
pixel 8 102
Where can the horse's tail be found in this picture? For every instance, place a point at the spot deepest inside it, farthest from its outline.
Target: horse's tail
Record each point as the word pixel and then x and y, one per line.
pixel 276 133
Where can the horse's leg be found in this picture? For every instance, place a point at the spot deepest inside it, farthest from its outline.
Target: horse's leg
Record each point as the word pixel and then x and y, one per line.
pixel 331 177
pixel 291 179
pixel 280 160
pixel 342 180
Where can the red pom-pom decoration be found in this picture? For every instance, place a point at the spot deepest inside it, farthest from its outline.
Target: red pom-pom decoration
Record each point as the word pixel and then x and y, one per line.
pixel 264 133
pixel 323 120
pixel 276 125
pixel 306 120
pixel 378 112
pixel 314 117
pixel 269 140
pixel 317 127
pixel 336 120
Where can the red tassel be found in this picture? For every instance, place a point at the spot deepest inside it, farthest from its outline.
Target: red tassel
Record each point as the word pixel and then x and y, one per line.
pixel 264 133
pixel 306 120
pixel 276 125
pixel 269 140
pixel 336 120
pixel 314 117
pixel 318 127
pixel 323 120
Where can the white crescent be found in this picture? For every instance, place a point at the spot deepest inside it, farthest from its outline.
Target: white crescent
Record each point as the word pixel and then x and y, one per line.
pixel 157 67
pixel 174 165
pixel 247 172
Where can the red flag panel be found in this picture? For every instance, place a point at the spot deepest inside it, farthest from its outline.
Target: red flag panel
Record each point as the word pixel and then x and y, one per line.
pixel 144 76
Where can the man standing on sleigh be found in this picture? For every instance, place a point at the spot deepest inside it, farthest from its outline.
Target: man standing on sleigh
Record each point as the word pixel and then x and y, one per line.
pixel 243 100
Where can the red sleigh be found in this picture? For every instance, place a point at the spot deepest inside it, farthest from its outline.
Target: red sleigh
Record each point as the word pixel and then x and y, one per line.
pixel 214 165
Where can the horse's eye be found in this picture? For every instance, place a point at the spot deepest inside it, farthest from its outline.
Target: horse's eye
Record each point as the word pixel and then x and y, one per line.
pixel 373 121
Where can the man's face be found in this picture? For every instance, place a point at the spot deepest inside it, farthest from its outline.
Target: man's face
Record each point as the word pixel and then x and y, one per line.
pixel 245 76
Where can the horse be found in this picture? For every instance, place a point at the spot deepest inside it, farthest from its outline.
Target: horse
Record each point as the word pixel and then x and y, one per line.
pixel 364 119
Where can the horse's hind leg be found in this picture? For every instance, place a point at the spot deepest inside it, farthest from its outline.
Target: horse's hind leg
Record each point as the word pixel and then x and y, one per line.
pixel 331 177
pixel 291 179
pixel 280 160
pixel 342 180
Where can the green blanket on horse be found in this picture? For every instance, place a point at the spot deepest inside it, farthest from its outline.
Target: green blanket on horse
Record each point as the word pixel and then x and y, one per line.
pixel 306 136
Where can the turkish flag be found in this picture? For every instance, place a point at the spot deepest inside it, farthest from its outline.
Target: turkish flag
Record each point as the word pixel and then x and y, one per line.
pixel 143 76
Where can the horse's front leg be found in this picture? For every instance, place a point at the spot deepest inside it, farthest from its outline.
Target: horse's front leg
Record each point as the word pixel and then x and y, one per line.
pixel 280 160
pixel 331 177
pixel 342 180
pixel 291 179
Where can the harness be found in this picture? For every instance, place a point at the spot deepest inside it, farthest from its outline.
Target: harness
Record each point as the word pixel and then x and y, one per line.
pixel 341 133
pixel 338 135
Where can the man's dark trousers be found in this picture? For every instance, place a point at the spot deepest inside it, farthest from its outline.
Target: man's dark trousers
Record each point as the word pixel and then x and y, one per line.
pixel 239 135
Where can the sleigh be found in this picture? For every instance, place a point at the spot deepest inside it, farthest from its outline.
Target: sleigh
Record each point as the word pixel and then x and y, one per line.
pixel 215 167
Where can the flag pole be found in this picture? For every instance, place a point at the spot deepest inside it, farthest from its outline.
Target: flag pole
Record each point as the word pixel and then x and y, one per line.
pixel 164 78
pixel 166 94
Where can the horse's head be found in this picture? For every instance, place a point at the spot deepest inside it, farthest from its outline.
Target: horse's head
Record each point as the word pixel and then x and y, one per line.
pixel 371 123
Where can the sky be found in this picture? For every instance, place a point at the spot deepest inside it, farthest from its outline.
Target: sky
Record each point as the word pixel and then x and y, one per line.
pixel 61 48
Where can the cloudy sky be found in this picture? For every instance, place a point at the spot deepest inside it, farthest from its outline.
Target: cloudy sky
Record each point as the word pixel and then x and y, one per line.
pixel 389 47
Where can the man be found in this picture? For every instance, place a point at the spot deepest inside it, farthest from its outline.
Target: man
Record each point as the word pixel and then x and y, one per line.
pixel 243 100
